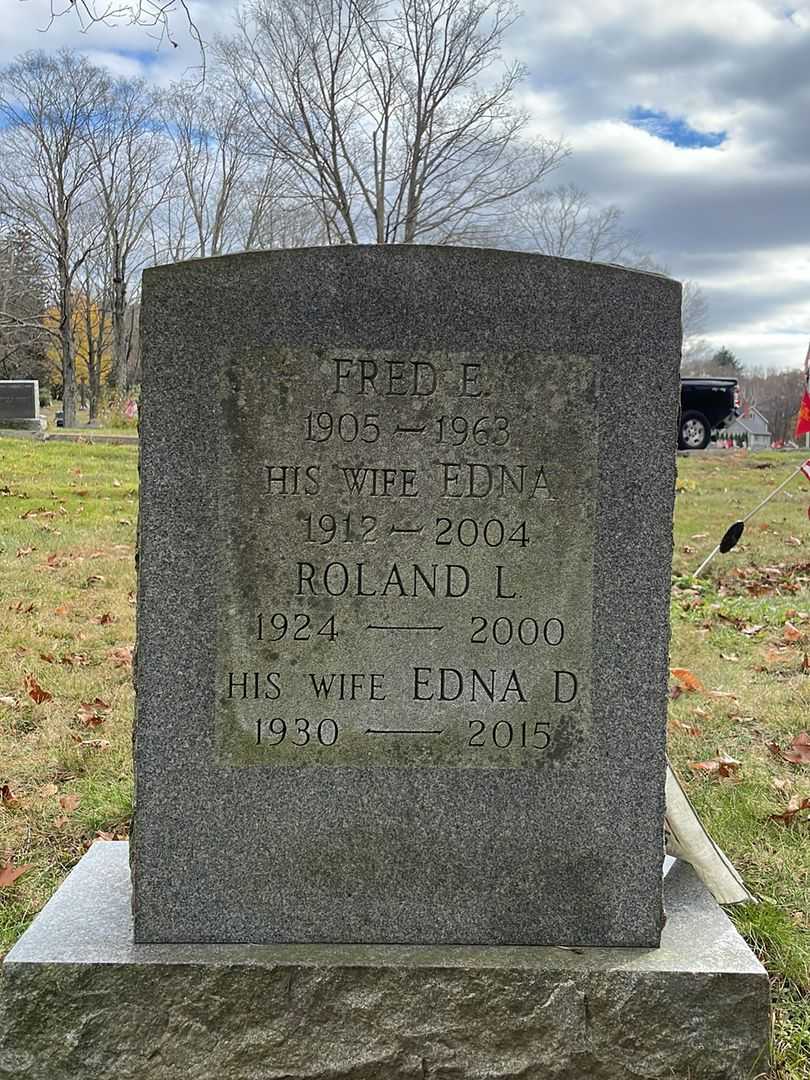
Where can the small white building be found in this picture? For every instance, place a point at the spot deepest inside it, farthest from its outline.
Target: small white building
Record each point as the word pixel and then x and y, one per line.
pixel 751 427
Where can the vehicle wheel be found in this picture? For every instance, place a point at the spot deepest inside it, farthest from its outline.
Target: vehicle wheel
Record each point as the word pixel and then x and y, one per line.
pixel 694 432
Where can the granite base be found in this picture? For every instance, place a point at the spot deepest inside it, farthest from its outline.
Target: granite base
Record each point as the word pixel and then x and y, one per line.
pixel 80 1001
pixel 33 426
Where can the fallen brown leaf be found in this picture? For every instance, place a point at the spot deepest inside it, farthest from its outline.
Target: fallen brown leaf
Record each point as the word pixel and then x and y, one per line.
pixel 749 631
pixel 794 807
pixel 107 618
pixel 791 632
pixel 75 659
pixel 69 802
pixel 22 552
pixel 689 729
pixel 7 796
pixel 121 657
pixel 722 766
pixel 799 750
pixel 9 873
pixel 35 691
pixel 49 791
pixel 686 679
pixel 94 744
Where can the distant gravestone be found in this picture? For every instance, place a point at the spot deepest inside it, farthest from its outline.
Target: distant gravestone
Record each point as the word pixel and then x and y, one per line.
pixel 404 570
pixel 19 404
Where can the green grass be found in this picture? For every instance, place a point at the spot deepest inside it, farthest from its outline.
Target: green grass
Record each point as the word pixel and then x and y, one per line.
pixel 764 582
pixel 67 532
pixel 81 568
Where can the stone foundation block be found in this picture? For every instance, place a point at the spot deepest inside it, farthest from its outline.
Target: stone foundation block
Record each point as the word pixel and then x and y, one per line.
pixel 80 1001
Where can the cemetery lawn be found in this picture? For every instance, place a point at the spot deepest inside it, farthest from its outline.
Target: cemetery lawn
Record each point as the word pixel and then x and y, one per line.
pixel 743 631
pixel 741 634
pixel 67 578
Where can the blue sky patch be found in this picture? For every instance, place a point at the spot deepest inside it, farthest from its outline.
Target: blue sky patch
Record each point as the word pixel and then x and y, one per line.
pixel 673 129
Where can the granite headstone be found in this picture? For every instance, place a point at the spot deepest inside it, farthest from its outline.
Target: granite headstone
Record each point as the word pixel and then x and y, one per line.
pixel 404 546
pixel 19 404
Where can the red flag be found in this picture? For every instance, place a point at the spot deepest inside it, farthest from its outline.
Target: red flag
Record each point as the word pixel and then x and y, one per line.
pixel 803 422
pixel 803 419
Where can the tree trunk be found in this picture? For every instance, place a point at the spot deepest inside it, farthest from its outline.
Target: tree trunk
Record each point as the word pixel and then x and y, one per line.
pixel 68 358
pixel 119 376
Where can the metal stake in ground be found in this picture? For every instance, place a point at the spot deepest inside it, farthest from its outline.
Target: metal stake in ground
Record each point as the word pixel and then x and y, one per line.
pixel 731 536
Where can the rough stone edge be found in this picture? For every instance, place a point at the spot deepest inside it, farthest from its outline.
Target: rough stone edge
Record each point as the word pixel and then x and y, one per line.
pixel 80 1001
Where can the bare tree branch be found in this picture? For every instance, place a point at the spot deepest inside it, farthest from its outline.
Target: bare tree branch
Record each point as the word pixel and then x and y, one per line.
pixel 156 16
pixel 387 115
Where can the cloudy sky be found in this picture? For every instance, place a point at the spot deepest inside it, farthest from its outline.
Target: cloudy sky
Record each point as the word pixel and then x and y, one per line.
pixel 693 117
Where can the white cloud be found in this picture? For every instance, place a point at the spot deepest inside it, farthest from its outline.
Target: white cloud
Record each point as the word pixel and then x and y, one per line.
pixel 734 217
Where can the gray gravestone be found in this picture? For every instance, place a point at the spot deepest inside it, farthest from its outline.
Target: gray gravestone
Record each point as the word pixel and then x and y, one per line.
pixel 19 404
pixel 404 566
pixel 404 579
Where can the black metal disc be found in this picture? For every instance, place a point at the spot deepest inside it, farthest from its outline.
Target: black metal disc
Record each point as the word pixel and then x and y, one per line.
pixel 732 536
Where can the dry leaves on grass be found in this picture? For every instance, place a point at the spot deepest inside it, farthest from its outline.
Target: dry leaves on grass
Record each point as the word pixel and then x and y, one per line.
pixel 89 715
pixel 36 692
pixel 794 807
pixel 69 802
pixel 798 753
pixel 8 701
pixel 7 796
pixel 90 744
pixel 690 683
pixel 688 729
pixel 121 657
pixel 9 873
pixel 720 767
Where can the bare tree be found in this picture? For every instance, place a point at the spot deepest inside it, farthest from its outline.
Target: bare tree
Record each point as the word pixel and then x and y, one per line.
pixel 93 324
pixel 24 338
pixel 132 176
pixel 272 213
pixel 697 351
pixel 566 222
pixel 47 105
pixel 212 147
pixel 387 114
pixel 777 395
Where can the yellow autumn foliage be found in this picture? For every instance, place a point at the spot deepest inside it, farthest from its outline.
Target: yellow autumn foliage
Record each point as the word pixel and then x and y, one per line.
pixel 84 310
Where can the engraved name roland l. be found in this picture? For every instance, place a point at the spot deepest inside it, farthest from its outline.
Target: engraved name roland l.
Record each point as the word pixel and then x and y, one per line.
pixel 395 557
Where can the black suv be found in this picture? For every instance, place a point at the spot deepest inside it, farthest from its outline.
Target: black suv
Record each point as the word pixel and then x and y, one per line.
pixel 706 405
